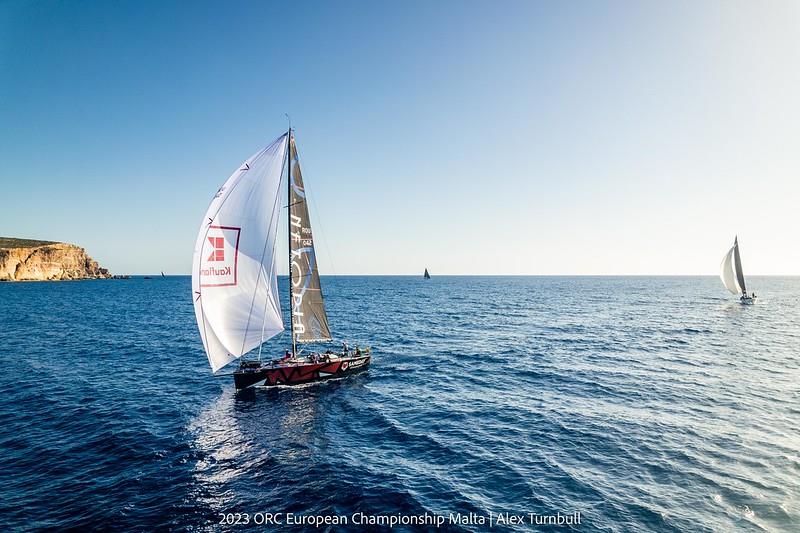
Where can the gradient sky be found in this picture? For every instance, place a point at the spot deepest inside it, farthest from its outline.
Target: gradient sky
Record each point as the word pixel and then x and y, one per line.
pixel 467 137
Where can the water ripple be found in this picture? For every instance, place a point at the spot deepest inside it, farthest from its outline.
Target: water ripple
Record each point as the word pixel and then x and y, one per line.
pixel 644 403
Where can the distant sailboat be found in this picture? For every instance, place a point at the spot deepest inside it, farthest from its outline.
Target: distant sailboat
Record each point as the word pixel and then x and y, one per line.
pixel 235 276
pixel 426 275
pixel 732 275
pixel 162 274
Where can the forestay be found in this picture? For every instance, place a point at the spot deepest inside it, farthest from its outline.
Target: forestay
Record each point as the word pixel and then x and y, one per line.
pixel 234 271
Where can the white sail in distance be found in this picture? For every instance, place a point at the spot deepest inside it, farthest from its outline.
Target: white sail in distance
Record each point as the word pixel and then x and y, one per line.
pixel 234 271
pixel 728 272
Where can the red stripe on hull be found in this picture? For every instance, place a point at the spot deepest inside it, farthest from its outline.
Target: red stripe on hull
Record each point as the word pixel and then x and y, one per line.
pixel 299 374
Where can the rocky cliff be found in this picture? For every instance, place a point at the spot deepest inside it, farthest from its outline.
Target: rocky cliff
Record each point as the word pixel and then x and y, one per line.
pixel 26 260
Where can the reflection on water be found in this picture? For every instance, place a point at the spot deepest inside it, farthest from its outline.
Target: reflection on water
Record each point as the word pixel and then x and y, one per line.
pixel 260 432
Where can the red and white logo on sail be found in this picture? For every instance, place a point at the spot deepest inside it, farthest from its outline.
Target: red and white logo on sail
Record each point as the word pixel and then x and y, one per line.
pixel 218 249
pixel 220 257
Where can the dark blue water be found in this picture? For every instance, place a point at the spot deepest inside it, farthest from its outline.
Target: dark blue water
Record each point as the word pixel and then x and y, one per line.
pixel 644 403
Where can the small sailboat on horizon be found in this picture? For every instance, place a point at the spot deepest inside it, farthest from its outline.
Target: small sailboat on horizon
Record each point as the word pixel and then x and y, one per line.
pixel 235 277
pixel 732 275
pixel 426 275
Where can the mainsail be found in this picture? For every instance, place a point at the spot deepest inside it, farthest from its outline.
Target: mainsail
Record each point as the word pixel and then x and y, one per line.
pixel 309 321
pixel 234 274
pixel 738 264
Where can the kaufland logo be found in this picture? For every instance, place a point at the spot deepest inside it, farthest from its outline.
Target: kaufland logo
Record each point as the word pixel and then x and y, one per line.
pixel 218 251
pixel 220 257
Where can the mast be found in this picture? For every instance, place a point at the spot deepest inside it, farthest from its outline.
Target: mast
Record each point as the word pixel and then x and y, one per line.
pixel 289 230
pixel 738 265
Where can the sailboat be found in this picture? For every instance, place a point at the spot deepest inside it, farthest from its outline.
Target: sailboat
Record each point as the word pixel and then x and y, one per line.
pixel 426 275
pixel 235 277
pixel 732 275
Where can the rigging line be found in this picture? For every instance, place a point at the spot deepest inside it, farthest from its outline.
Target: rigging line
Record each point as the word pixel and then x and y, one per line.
pixel 266 294
pixel 313 204
pixel 272 273
pixel 260 270
pixel 321 229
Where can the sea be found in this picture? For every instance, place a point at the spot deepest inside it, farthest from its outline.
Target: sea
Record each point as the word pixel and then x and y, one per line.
pixel 616 403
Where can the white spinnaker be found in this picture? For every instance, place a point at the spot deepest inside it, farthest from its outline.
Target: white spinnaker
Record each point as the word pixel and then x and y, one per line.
pixel 234 271
pixel 727 273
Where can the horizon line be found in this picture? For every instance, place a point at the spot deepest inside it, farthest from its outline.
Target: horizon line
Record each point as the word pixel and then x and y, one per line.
pixel 511 275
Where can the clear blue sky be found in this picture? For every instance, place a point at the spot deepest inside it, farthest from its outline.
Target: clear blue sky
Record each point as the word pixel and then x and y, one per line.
pixel 468 137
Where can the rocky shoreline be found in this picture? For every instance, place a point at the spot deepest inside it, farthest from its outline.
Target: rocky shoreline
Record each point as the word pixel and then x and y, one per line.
pixel 27 260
